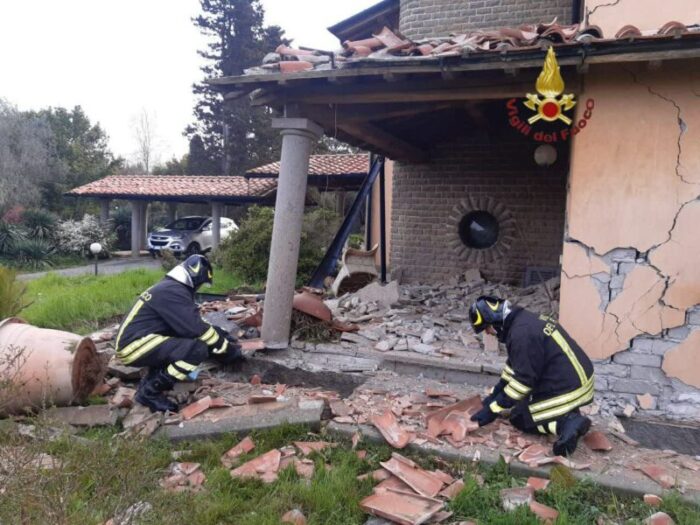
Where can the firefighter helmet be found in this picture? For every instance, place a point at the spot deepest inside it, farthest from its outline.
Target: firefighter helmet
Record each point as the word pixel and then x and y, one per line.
pixel 195 271
pixel 488 311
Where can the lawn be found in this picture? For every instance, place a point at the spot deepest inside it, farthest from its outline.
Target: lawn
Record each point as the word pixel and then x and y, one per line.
pixel 106 475
pixel 85 303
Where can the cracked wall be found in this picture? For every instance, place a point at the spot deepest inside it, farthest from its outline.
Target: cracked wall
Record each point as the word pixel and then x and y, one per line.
pixel 611 15
pixel 631 261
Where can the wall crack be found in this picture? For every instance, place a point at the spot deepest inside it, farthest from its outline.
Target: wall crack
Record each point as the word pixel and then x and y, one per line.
pixel 589 12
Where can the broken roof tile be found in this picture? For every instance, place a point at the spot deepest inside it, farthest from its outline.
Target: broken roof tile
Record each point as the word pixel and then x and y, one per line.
pixel 514 497
pixel 596 440
pixel 537 483
pixel 307 447
pixel 389 427
pixel 452 490
pixel 659 474
pixel 243 447
pixel 401 507
pixel 264 467
pixel 196 408
pixel 415 477
pixel 548 515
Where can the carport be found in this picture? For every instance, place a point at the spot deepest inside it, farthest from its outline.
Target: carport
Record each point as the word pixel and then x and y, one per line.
pixel 141 190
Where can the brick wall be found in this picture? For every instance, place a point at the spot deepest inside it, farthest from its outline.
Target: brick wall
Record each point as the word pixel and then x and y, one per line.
pixel 499 167
pixel 431 18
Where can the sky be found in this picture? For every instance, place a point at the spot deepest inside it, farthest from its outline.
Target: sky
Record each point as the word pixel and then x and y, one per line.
pixel 120 58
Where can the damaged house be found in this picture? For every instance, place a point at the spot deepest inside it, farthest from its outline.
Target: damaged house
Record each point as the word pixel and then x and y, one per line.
pixel 523 163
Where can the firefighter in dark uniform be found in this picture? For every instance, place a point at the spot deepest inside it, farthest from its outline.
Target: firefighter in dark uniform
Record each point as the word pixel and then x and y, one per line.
pixel 546 379
pixel 165 332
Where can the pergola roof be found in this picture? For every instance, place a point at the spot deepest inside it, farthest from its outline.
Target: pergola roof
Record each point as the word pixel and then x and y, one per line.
pixel 179 188
pixel 323 165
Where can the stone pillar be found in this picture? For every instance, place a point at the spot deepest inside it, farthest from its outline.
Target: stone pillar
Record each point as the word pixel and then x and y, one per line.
pixel 104 211
pixel 298 136
pixel 136 228
pixel 216 223
pixel 172 211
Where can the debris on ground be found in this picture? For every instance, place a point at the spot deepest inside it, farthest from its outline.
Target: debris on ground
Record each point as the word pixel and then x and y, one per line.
pixel 295 517
pixel 515 497
pixel 184 477
pixel 231 456
pixel 660 518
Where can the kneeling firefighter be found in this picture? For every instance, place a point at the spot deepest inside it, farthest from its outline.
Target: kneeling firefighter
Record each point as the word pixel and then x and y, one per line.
pixel 547 376
pixel 165 332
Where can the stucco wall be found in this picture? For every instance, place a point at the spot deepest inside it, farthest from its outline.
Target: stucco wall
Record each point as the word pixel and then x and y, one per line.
pixel 495 171
pixel 431 18
pixel 645 14
pixel 631 266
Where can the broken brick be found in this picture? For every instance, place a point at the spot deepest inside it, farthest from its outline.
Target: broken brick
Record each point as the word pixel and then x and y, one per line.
pixel 244 447
pixel 389 427
pixel 652 500
pixel 196 408
pixel 515 497
pixel 597 441
pixel 659 474
pixel 538 483
pixel 295 517
pixel 547 514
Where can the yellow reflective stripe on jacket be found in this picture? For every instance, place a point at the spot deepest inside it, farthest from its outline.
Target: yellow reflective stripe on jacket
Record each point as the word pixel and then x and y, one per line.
pixel 210 336
pixel 185 366
pixel 496 408
pixel 176 373
pixel 223 348
pixel 552 427
pixel 564 398
pixel 143 350
pixel 513 394
pixel 565 409
pixel 541 429
pixel 134 345
pixel 515 384
pixel 559 339
pixel 134 310
pixel 508 370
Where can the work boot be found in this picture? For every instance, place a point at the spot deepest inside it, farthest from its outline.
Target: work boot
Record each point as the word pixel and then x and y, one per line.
pixel 150 391
pixel 570 428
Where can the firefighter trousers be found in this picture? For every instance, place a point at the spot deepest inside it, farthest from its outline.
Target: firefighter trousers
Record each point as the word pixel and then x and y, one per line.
pixel 521 418
pixel 178 357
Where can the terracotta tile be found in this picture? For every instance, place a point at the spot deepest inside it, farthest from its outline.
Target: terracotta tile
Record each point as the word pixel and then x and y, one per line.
pixel 295 517
pixel 444 476
pixel 434 420
pixel 195 408
pixel 295 66
pixel 513 498
pixel 546 514
pixel 394 483
pixel 307 447
pixel 381 474
pixel 185 468
pixel 389 427
pixel 339 408
pixel 256 380
pixel 441 516
pixel 401 507
pixel 123 397
pixel 660 518
pixel 421 481
pixel 537 483
pixel 690 464
pixel 652 500
pixel 280 389
pixel 101 389
pixel 304 468
pixel 452 490
pixel 597 441
pixel 659 474
pixel 348 420
pixel 244 447
pixel 219 402
pixel 533 454
pixel 196 479
pixel 361 454
pixel 266 464
pixel 251 345
pixel 458 424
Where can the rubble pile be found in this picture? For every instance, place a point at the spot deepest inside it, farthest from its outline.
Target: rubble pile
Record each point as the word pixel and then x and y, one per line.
pixel 431 319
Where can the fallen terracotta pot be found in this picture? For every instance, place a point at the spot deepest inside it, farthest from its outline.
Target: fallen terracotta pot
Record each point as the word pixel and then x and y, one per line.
pixel 47 367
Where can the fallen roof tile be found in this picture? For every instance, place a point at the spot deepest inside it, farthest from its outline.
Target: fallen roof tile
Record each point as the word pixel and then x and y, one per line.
pixel 547 514
pixel 295 517
pixel 401 507
pixel 266 464
pixel 452 490
pixel 196 408
pixel 389 427
pixel 243 447
pixel 660 518
pixel 415 477
pixel 659 474
pixel 652 500
pixel 307 447
pixel 537 483
pixel 596 440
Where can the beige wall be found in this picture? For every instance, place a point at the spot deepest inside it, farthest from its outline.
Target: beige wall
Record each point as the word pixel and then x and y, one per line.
pixel 645 14
pixel 631 265
pixel 388 194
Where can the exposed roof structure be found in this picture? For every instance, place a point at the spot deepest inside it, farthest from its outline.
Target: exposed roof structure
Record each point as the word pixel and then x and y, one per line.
pixel 179 188
pixel 323 165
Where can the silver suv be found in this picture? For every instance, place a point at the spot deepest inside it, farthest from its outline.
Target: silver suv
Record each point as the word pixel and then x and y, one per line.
pixel 188 235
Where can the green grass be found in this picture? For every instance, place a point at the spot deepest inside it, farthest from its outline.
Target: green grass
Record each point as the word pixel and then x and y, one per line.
pixel 85 303
pixel 106 476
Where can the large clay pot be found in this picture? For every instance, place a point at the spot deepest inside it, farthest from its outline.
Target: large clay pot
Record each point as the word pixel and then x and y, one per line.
pixel 46 367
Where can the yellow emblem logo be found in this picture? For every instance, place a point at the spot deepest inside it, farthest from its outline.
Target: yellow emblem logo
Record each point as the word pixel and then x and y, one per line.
pixel 550 84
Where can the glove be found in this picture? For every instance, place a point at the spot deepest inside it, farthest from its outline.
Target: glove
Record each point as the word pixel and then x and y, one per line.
pixel 484 416
pixel 494 392
pixel 226 350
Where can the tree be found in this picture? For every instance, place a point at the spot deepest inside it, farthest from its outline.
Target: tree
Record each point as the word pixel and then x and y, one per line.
pixel 199 162
pixel 234 136
pixel 145 136
pixel 173 166
pixel 25 157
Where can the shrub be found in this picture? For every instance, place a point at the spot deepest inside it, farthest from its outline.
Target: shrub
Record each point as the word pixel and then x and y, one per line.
pixel 9 236
pixel 34 254
pixel 121 226
pixel 77 236
pixel 169 260
pixel 39 224
pixel 247 251
pixel 12 293
pixel 13 215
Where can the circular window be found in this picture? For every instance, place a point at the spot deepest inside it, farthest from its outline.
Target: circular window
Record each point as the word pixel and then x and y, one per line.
pixel 479 229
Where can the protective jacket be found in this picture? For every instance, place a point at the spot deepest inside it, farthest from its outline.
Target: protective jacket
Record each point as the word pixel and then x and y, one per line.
pixel 545 366
pixel 165 310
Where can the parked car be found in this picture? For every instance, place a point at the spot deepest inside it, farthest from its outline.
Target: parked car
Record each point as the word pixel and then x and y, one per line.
pixel 188 235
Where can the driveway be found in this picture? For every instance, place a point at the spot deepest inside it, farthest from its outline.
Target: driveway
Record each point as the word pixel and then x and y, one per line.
pixel 105 268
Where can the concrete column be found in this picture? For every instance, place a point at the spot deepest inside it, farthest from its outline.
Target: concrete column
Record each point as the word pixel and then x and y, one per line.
pixel 216 223
pixel 144 221
pixel 172 211
pixel 104 211
pixel 298 136
pixel 136 228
